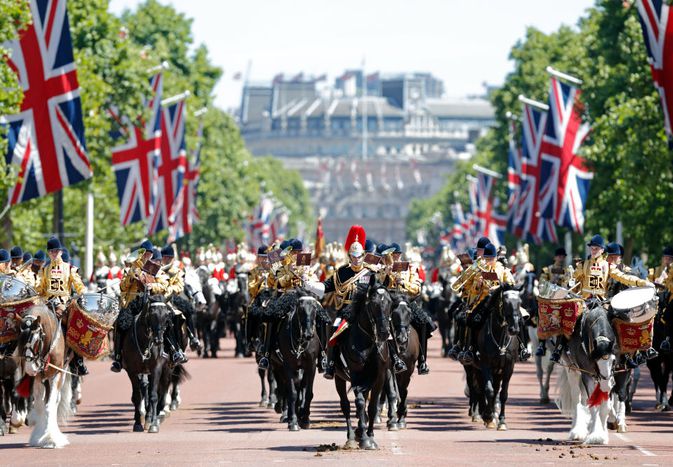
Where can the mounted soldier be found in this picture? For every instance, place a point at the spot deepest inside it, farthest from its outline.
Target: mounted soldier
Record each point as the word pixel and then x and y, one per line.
pixel 175 287
pixel 140 277
pixel 56 282
pixel 592 280
pixel 343 284
pixel 558 274
pixel 658 275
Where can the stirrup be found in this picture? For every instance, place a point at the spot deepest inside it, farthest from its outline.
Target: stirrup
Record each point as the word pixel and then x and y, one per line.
pixel 524 355
pixel 116 366
pixel 665 346
pixel 453 352
pixel 423 368
pixel 466 357
pixel 399 366
pixel 263 363
pixel 329 372
pixel 555 356
pixel 651 353
pixel 541 350
pixel 179 357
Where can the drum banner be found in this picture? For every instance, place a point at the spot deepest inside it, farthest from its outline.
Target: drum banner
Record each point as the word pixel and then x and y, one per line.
pixel 558 317
pixel 633 336
pixel 86 336
pixel 10 319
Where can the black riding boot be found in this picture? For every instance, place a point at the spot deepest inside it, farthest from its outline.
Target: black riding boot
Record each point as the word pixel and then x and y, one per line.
pixel 332 354
pixel 423 368
pixel 665 346
pixel 561 344
pixel 77 366
pixel 177 351
pixel 117 356
pixel 398 364
pixel 541 348
pixel 263 363
pixel 466 357
pixel 524 354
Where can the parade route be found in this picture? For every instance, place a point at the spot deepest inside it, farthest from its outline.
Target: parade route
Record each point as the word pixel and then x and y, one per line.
pixel 220 422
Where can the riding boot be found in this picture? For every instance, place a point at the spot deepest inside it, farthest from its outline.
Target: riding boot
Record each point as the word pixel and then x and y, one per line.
pixel 398 364
pixel 560 347
pixel 466 357
pixel 77 366
pixel 177 355
pixel 117 356
pixel 332 354
pixel 630 362
pixel 524 354
pixel 651 353
pixel 263 363
pixel 423 368
pixel 541 348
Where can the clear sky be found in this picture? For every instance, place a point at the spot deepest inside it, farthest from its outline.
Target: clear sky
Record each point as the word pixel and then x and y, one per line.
pixel 463 42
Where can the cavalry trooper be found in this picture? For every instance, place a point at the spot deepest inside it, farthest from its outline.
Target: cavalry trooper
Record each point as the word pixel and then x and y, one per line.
pixel 17 257
pixel 591 281
pixel 176 285
pixel 134 283
pixel 658 274
pixel 345 282
pixel 56 282
pixel 558 274
pixel 476 288
pixel 408 283
pixel 260 279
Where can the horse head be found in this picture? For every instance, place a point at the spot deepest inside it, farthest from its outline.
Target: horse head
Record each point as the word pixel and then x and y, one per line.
pixel 401 316
pixel 34 342
pixel 379 310
pixel 157 319
pixel 194 289
pixel 511 304
pixel 307 310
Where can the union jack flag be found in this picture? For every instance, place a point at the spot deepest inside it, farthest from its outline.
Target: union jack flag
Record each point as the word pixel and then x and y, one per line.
pixel 260 225
pixel 513 177
pixel 489 223
pixel 655 19
pixel 457 237
pixel 565 186
pixel 169 166
pixel 184 211
pixel 132 161
pixel 46 137
pixel 526 219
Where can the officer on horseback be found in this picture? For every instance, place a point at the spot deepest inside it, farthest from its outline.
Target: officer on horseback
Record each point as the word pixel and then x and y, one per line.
pixel 487 275
pixel 344 284
pixel 55 283
pixel 558 274
pixel 175 286
pixel 592 280
pixel 137 280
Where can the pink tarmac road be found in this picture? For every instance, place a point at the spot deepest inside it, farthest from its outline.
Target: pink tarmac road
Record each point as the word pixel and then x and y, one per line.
pixel 220 422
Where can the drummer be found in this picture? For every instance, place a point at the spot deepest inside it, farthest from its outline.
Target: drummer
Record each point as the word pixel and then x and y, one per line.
pixel 658 274
pixel 55 283
pixel 592 279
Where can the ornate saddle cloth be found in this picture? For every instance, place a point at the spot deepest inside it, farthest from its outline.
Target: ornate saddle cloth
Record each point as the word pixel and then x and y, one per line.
pixel 633 336
pixel 558 317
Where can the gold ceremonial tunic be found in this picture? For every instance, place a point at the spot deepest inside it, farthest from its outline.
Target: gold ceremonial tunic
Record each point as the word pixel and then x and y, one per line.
pixel 176 281
pixel 407 282
pixel 135 281
pixel 593 275
pixel 57 280
pixel 476 288
pixel 258 281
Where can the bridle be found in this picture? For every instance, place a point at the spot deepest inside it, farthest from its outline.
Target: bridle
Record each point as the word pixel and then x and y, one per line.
pixel 506 338
pixel 374 335
pixel 34 346
pixel 152 339
pixel 299 348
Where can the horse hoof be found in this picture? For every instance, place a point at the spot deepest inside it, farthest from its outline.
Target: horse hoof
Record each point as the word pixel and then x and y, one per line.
pixel 277 407
pixel 305 425
pixel 240 355
pixel 490 425
pixel 270 405
pixel 154 428
pixel 621 429
pixel 138 428
pixel 263 403
pixel 366 443
pixel 612 426
pixel 351 444
pixel 283 419
pixel 544 400
pixel 402 424
pixel 378 419
pixel 2 431
pixel 174 405
pixel 49 445
pixel 372 445
pixel 13 429
pixel 476 419
pixel 393 427
pixel 502 426
pixel 293 426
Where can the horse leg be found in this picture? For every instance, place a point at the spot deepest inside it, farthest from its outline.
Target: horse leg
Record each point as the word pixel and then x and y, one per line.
pixel 46 433
pixel 377 388
pixel 153 393
pixel 488 398
pixel 264 396
pixel 580 418
pixel 291 399
pixel 392 397
pixel 273 387
pixel 631 392
pixel 361 414
pixel 340 386
pixel 137 400
pixel 307 390
pixel 5 391
pixel 214 338
pixel 403 390
pixel 504 393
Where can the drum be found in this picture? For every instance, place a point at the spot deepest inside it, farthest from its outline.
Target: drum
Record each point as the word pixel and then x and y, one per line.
pixel 637 304
pixel 558 317
pixel 15 298
pixel 553 292
pixel 90 319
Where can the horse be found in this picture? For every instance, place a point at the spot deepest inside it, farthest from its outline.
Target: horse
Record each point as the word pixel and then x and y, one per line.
pixel 591 358
pixel 365 351
pixel 661 367
pixel 253 337
pixel 409 349
pixel 10 402
pixel 235 302
pixel 497 351
pixel 207 317
pixel 145 362
pixel 439 306
pixel 42 351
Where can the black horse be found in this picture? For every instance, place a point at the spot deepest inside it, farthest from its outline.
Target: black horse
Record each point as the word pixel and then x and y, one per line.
pixel 409 349
pixel 365 350
pixel 207 317
pixel 144 360
pixel 661 367
pixel 497 345
pixel 441 300
pixel 294 365
pixel 234 303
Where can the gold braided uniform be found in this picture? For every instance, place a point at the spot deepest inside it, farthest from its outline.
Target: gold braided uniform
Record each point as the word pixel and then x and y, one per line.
pixel 407 282
pixel 557 275
pixel 593 275
pixel 135 281
pixel 654 275
pixel 259 280
pixel 176 281
pixel 57 279
pixel 475 288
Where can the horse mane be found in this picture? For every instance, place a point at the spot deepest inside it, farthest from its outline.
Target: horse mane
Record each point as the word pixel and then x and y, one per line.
pixel 596 316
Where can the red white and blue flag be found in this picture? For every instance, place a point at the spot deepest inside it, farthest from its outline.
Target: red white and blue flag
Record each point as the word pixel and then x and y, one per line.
pixel 514 172
pixel 185 211
pixel 657 24
pixel 490 223
pixel 169 166
pixel 457 237
pixel 132 161
pixel 46 137
pixel 260 225
pixel 565 186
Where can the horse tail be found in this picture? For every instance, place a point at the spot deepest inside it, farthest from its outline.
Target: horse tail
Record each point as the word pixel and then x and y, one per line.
pixel 65 405
pixel 564 399
pixel 180 374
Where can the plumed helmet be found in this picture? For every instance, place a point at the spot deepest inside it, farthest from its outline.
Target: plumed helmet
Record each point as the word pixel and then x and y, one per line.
pixel 27 256
pixel 167 251
pixel 53 244
pixel 490 251
pixel 16 252
pixel 40 255
pixel 4 256
pixel 355 240
pixel 597 240
pixel 482 242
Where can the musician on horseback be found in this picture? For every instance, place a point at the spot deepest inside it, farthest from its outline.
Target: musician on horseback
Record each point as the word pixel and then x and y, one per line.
pixel 406 282
pixel 24 273
pixel 138 279
pixel 592 281
pixel 658 275
pixel 558 274
pixel 55 283
pixel 175 287
pixel 346 281
pixel 485 276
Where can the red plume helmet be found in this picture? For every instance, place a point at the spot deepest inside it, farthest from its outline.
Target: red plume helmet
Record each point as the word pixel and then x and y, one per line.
pixel 355 234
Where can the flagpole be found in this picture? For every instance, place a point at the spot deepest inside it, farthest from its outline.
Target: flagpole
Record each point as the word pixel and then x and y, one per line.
pixel 176 98
pixel 563 76
pixel 479 168
pixel 534 103
pixel 88 269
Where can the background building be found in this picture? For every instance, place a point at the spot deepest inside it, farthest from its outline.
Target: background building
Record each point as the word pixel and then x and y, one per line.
pixel 363 154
